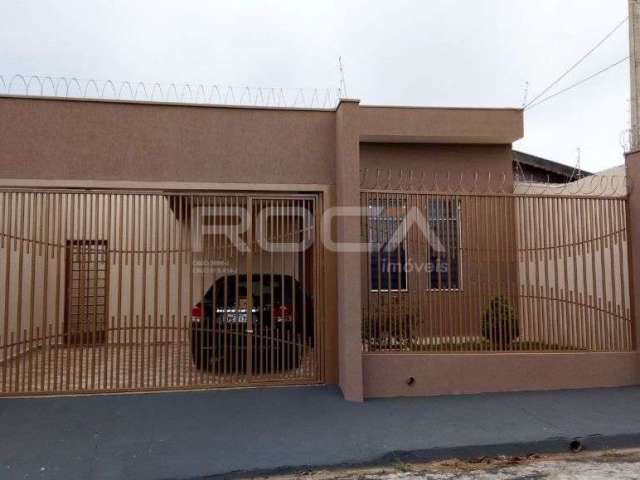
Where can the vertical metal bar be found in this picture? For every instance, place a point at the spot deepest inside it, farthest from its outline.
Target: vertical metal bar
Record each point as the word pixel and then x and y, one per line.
pixel 495 255
pixel 45 346
pixel 70 249
pixel 155 245
pixel 525 285
pixel 283 269
pixel 107 224
pixel 632 304
pixel 203 330
pixel 547 292
pixel 218 259
pixel 130 322
pixel 596 314
pixel 8 232
pixel 561 339
pixel 521 256
pixel 611 241
pixel 96 248
pixel 166 262
pixel 539 321
pixel 570 323
pixel 578 252
pixel 84 280
pixel 584 298
pixel 62 214
pixel 248 334
pixel 237 372
pixel 422 246
pixel 622 229
pixel 142 262
pixel 603 244
pixel 476 262
pixel 181 317
pixel 271 223
pixel 450 319
pixel 365 276
pixel 30 349
pixel 511 270
pixel 121 258
pixel 260 334
pixel 289 236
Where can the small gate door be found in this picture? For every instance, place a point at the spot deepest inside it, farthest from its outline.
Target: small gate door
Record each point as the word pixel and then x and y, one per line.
pixel 86 307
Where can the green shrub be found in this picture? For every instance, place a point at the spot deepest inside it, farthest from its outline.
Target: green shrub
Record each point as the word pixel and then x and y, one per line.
pixel 500 323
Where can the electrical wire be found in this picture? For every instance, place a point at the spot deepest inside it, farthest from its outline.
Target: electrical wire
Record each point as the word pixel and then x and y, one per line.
pixel 577 84
pixel 579 62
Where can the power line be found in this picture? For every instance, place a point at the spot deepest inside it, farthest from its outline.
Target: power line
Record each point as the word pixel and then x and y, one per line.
pixel 575 65
pixel 577 84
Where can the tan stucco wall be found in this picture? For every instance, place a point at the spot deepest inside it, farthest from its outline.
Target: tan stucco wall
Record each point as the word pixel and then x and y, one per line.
pixel 386 375
pixel 441 125
pixel 57 139
pixel 441 160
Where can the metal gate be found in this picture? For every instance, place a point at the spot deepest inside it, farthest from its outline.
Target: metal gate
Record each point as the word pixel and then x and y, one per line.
pixel 541 269
pixel 110 291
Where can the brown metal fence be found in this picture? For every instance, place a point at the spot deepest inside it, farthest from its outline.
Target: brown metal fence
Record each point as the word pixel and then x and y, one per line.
pixel 108 291
pixel 541 270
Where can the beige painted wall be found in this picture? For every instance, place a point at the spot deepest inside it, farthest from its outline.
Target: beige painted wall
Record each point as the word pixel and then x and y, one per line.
pixel 454 374
pixel 441 160
pixel 58 139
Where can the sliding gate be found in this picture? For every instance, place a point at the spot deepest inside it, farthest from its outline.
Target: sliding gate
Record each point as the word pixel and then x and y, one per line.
pixel 108 291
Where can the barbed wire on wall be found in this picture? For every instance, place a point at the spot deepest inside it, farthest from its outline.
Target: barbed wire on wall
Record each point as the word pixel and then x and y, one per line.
pixel 459 183
pixel 205 94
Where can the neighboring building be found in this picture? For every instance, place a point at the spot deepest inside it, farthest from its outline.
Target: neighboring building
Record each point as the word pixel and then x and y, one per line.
pixel 530 168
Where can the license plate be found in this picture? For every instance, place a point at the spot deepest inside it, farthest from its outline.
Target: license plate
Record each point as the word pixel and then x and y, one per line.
pixel 235 317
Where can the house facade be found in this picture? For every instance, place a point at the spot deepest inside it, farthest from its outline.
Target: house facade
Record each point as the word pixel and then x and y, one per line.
pixel 151 246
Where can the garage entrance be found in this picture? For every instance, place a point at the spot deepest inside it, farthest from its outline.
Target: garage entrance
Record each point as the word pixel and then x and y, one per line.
pixel 110 291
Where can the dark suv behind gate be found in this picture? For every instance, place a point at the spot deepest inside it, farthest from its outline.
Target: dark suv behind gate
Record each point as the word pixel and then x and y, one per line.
pixel 281 323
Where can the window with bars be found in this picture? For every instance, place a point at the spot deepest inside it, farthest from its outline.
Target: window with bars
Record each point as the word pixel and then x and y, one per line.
pixel 444 269
pixel 388 253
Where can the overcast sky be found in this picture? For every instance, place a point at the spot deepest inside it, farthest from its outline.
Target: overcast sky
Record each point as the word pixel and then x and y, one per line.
pixel 399 52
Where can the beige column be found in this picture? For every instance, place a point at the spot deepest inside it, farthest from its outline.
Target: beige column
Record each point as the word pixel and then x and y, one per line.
pixel 633 175
pixel 348 231
pixel 634 49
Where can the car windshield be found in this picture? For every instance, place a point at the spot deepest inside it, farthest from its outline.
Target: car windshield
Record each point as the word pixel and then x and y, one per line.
pixel 262 286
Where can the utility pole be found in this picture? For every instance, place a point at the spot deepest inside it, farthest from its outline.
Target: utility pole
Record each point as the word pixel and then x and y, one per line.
pixel 634 61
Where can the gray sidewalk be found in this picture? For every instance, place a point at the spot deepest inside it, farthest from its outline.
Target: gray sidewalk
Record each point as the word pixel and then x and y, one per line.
pixel 200 434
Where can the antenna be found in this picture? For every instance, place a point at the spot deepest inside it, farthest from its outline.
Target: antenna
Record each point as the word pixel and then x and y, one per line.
pixel 526 94
pixel 579 163
pixel 577 170
pixel 343 84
